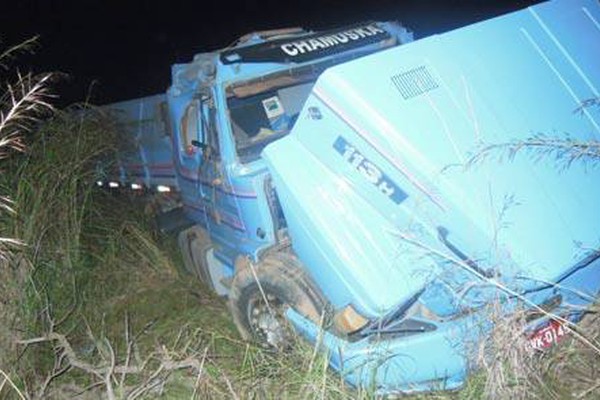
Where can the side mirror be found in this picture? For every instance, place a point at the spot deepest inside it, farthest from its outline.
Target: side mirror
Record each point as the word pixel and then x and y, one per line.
pixel 200 145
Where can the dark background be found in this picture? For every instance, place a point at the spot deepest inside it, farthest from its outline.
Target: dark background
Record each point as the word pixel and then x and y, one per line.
pixel 116 50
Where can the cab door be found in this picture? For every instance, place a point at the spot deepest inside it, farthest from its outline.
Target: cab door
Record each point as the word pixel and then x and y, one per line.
pixel 205 188
pixel 225 223
pixel 189 157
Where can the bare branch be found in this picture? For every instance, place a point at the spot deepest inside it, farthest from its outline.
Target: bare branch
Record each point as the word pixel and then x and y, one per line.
pixel 107 372
pixel 564 151
pixel 14 387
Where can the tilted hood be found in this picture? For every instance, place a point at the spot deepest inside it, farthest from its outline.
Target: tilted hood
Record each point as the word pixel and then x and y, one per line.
pixel 375 180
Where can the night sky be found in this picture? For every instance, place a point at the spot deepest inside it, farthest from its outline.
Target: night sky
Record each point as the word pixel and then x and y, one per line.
pixel 126 47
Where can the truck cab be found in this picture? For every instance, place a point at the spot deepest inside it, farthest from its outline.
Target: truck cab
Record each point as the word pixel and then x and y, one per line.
pixel 202 140
pixel 226 107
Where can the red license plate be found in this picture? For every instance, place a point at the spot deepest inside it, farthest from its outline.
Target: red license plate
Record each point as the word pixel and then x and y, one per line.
pixel 548 335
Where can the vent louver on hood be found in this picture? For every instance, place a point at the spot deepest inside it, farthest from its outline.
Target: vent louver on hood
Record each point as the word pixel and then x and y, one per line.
pixel 414 82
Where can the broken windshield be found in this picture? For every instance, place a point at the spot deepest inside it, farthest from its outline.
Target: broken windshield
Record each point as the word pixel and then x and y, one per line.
pixel 260 117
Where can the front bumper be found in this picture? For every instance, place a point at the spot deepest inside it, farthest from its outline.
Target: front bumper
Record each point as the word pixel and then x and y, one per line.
pixel 440 359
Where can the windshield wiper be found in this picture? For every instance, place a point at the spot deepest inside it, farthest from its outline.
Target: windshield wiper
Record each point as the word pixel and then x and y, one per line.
pixel 443 237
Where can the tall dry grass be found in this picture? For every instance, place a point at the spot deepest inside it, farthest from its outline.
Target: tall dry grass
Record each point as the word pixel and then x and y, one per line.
pixel 23 104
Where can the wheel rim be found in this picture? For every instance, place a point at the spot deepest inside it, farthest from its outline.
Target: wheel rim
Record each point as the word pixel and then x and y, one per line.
pixel 267 320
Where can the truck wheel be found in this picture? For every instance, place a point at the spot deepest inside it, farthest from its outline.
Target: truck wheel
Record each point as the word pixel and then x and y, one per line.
pixel 260 295
pixel 194 243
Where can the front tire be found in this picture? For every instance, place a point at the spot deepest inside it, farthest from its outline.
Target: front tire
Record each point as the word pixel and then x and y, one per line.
pixel 261 294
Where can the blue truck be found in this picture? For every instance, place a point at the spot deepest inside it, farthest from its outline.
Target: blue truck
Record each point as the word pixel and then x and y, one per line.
pixel 324 183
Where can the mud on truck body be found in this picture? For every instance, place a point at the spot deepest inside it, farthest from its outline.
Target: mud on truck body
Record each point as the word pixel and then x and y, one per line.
pixel 322 183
